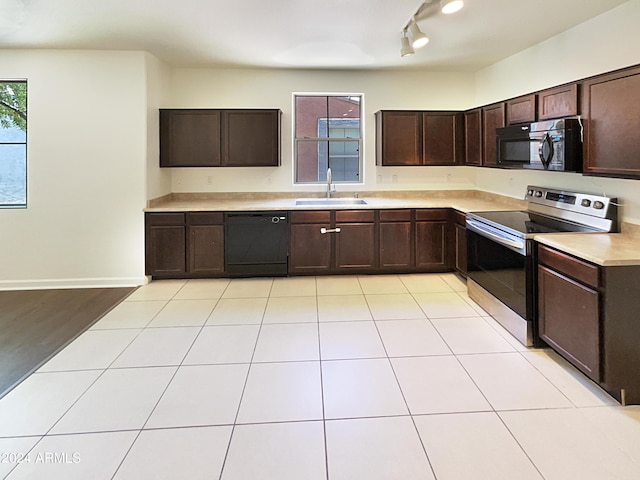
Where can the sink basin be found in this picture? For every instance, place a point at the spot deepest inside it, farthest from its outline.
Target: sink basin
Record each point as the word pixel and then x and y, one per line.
pixel 330 201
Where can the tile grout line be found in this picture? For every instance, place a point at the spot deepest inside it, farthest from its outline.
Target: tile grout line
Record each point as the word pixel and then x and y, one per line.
pixel 164 391
pixel 244 386
pixel 324 417
pixel 404 398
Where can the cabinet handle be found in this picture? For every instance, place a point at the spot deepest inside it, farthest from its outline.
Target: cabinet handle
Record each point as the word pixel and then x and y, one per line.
pixel 329 230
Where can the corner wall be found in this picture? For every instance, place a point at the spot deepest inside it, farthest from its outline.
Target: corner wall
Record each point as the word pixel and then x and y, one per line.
pixel 83 225
pixel 607 42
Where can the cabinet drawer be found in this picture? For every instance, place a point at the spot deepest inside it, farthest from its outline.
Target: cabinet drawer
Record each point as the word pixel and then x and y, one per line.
pixel 570 266
pixel 432 214
pixel 355 216
pixel 159 219
pixel 320 216
pixel 395 215
pixel 205 218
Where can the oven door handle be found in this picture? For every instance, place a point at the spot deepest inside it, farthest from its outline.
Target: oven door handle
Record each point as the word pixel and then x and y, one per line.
pixel 482 230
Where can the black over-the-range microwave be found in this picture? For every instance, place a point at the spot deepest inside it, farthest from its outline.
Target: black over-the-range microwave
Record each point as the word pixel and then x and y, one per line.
pixel 549 145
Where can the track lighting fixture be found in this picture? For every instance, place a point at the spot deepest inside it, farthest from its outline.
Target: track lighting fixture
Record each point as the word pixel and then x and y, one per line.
pixel 418 39
pixel 406 49
pixel 450 6
pixel 412 37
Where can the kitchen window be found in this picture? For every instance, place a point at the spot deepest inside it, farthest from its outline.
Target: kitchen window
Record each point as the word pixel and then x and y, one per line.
pixel 13 144
pixel 328 134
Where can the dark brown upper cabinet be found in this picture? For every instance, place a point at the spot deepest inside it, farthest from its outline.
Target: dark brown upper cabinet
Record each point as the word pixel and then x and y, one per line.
pixel 473 136
pixel 558 102
pixel 442 138
pixel 521 109
pixel 419 138
pixel 611 111
pixel 190 138
pixel 398 138
pixel 219 138
pixel 492 117
pixel 251 138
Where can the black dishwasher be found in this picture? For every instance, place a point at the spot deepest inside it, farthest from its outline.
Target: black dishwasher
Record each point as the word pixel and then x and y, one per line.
pixel 256 243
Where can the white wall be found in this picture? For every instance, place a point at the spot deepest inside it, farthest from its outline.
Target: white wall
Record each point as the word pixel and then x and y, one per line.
pixel 158 78
pixel 607 42
pixel 83 224
pixel 210 88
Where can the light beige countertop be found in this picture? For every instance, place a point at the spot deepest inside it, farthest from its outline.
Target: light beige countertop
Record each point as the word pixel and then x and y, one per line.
pixel 605 249
pixel 462 200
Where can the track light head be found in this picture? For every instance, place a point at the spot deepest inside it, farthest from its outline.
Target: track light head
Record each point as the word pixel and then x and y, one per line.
pixel 451 6
pixel 405 47
pixel 418 39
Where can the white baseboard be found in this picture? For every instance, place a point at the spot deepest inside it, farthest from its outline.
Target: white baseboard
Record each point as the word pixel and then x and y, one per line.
pixel 48 284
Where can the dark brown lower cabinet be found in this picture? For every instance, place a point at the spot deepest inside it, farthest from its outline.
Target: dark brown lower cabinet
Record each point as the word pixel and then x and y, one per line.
pixel 165 244
pixel 589 315
pixel 460 240
pixel 569 320
pixel 355 243
pixel 323 242
pixel 205 247
pixel 310 250
pixel 395 237
pixel 184 245
pixel 432 240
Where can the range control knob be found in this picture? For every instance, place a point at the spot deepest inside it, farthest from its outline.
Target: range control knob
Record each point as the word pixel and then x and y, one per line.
pixel 585 202
pixel 538 193
pixel 598 205
pixel 530 192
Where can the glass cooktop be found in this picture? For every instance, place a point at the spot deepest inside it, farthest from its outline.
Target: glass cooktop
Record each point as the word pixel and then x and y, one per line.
pixel 525 224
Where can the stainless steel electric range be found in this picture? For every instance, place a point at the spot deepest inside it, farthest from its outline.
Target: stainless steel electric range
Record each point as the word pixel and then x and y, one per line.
pixel 501 254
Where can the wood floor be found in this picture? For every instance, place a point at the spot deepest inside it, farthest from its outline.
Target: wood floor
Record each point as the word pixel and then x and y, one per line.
pixel 35 324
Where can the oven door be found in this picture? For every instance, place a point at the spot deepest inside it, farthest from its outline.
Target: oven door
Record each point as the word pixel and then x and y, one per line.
pixel 503 267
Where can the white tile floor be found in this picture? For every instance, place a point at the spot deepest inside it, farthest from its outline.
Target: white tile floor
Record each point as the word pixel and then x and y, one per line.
pixel 359 377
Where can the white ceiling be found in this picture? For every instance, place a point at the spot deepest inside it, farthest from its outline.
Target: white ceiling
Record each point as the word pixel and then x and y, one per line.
pixel 359 34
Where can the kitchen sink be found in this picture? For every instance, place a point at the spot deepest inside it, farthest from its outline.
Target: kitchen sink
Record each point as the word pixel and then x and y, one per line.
pixel 330 201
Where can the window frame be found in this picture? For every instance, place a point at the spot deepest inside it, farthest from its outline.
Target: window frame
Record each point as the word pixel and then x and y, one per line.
pixel 326 121
pixel 24 143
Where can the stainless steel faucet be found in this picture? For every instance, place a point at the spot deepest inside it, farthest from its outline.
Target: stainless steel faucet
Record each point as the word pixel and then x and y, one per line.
pixel 330 188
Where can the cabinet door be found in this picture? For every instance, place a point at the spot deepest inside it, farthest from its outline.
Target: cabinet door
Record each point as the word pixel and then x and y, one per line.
pixel 189 138
pixel 205 243
pixel 459 220
pixel 206 249
pixel 355 246
pixel 558 102
pixel 442 137
pixel 611 108
pixel 569 320
pixel 473 137
pixel 521 109
pixel 251 138
pixel 165 244
pixel 396 252
pixel 431 249
pixel 492 118
pixel 310 250
pixel 398 138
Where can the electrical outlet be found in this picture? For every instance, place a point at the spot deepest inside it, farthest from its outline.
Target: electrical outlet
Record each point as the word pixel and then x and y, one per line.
pixel 394 179
pixel 209 179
